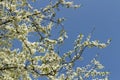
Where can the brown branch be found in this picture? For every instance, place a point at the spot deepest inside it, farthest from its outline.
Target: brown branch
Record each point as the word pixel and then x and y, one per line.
pixel 5 22
pixel 7 68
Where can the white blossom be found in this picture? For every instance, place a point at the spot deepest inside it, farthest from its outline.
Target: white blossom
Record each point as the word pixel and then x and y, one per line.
pixel 24 58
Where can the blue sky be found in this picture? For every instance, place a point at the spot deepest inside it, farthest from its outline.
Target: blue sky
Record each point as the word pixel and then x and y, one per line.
pixel 104 15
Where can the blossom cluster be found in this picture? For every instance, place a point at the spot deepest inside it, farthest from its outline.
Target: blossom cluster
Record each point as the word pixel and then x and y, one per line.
pixel 19 21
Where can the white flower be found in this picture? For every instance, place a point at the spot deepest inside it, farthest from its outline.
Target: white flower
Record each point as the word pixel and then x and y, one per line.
pixel 13 7
pixel 33 51
pixel 68 4
pixel 60 39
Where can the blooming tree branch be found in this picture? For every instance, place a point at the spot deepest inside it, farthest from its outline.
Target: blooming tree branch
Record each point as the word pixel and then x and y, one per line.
pixel 19 21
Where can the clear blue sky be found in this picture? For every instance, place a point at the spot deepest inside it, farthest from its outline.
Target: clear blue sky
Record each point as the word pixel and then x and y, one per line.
pixel 104 15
